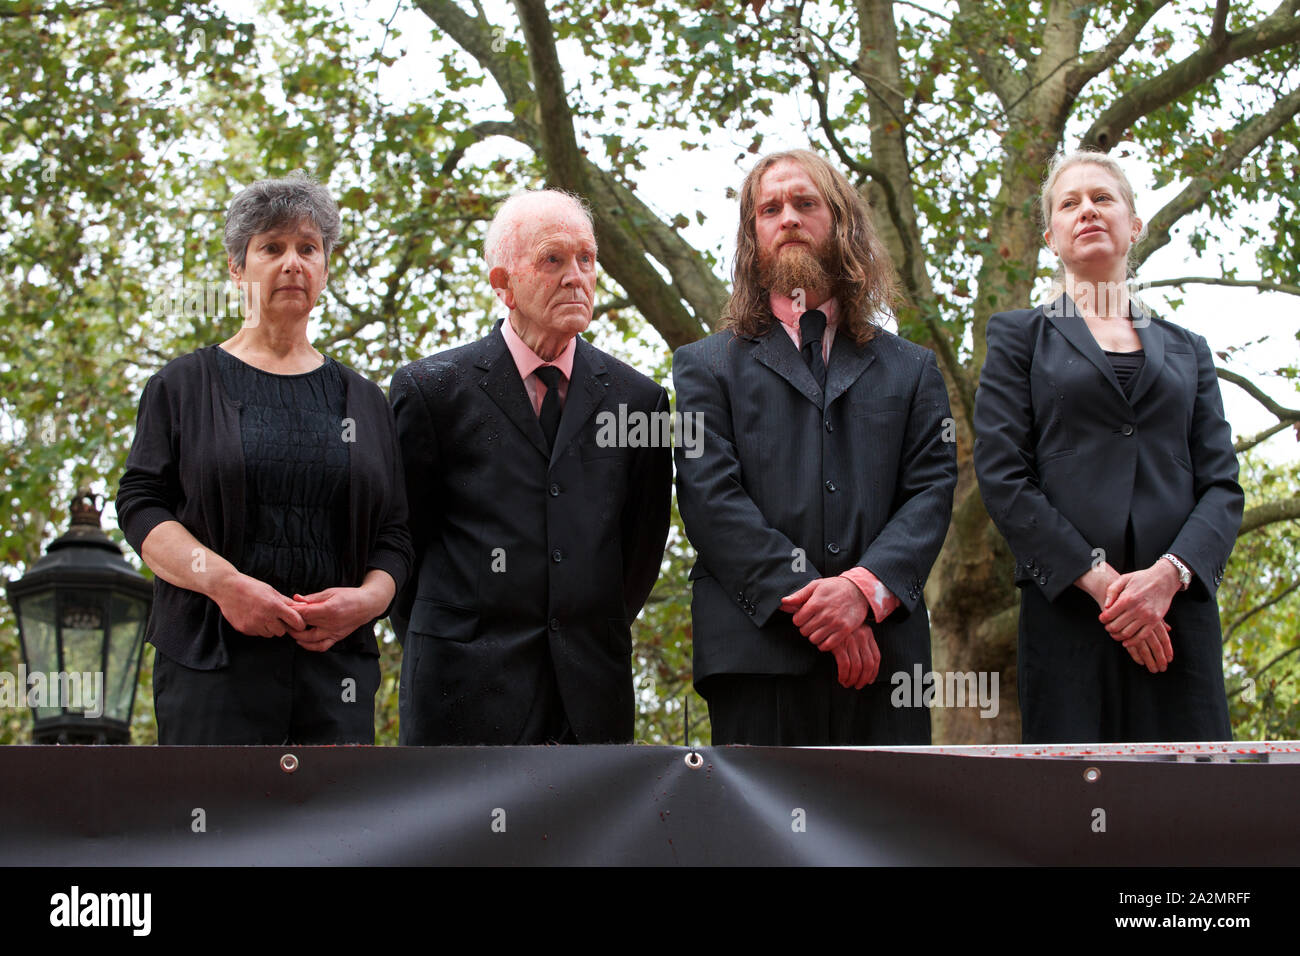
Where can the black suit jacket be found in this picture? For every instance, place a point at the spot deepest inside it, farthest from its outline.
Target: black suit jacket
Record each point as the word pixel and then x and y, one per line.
pixel 787 491
pixel 520 550
pixel 1064 459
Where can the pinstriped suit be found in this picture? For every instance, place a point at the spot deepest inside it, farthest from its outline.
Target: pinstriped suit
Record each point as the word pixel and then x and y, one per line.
pixel 786 491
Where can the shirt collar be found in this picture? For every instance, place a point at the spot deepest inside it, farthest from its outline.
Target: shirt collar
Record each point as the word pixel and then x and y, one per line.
pixel 783 308
pixel 528 361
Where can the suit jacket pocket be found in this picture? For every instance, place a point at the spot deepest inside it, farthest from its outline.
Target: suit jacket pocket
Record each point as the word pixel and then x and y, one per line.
pixel 1059 453
pixel 446 621
pixel 591 450
pixel 881 405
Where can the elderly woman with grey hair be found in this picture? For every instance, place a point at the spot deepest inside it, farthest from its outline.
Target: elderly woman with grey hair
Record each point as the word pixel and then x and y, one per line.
pixel 264 489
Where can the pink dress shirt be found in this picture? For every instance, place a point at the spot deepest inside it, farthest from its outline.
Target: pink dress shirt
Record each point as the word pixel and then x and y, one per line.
pixel 528 362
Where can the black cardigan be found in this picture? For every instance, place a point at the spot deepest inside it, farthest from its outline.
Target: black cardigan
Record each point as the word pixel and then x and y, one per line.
pixel 187 464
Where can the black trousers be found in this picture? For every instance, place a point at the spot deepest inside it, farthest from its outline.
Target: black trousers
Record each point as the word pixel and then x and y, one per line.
pixel 436 714
pixel 272 692
pixel 810 710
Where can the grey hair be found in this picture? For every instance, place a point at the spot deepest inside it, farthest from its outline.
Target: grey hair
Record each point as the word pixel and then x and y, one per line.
pixel 499 246
pixel 274 203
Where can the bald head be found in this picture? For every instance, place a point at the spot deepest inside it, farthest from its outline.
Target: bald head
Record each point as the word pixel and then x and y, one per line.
pixel 511 230
pixel 541 256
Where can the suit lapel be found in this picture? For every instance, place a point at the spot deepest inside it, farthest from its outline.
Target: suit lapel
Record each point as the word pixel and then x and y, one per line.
pixel 848 361
pixel 587 389
pixel 775 350
pixel 503 385
pixel 1153 344
pixel 1064 314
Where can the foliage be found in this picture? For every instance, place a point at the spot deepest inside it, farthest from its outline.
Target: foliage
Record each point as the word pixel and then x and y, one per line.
pixel 1260 609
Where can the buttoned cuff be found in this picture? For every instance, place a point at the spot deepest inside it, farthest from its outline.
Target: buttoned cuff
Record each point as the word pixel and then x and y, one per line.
pixel 880 598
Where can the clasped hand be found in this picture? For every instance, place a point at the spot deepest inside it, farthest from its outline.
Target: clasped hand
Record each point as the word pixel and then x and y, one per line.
pixel 316 621
pixel 1133 608
pixel 831 612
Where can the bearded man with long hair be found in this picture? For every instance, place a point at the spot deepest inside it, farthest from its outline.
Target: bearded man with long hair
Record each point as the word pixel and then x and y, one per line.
pixel 820 493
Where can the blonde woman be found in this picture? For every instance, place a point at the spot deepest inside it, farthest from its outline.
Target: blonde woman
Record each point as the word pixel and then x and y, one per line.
pixel 1105 460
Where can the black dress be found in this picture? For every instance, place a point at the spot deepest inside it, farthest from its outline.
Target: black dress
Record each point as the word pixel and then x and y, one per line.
pixel 1083 457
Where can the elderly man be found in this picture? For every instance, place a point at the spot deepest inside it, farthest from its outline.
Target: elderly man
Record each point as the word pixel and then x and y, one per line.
pixel 825 486
pixel 538 535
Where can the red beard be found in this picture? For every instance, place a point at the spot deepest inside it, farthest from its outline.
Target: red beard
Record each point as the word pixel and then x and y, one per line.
pixel 796 267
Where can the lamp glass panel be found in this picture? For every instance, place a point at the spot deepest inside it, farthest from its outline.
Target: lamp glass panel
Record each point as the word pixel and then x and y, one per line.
pixel 129 617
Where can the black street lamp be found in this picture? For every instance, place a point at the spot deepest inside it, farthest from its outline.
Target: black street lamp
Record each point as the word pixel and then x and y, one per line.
pixel 81 612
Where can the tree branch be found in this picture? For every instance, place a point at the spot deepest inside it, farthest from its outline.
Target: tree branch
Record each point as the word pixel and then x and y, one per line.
pixel 622 250
pixel 1245 444
pixel 1219 28
pixel 613 305
pixel 481 132
pixel 1278 29
pixel 555 122
pixel 1263 605
pixel 1254 391
pixel 1271 512
pixel 1260 673
pixel 1105 57
pixel 1007 83
pixel 475 36
pixel 1250 135
pixel 622 220
pixel 864 169
pixel 1263 285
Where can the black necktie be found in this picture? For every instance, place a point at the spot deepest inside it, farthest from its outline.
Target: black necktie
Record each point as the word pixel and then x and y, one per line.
pixel 549 416
pixel 811 326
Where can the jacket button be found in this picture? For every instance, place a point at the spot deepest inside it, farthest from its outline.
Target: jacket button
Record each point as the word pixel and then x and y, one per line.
pixel 833 548
pixel 828 425
pixel 555 490
pixel 556 556
pixel 555 624
pixel 830 486
pixel 1126 428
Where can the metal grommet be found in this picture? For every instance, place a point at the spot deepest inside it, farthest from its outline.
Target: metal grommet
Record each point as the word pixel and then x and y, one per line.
pixel 288 763
pixel 1092 775
pixel 694 760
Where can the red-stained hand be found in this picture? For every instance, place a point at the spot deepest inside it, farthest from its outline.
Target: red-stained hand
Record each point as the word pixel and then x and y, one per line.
pixel 255 608
pixel 827 611
pixel 333 614
pixel 1137 602
pixel 857 658
pixel 1152 648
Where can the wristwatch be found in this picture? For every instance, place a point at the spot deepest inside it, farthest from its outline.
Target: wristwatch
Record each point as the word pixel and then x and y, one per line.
pixel 1184 573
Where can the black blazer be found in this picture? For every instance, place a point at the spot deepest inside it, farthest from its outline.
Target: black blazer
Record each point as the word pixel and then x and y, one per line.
pixel 1064 459
pixel 518 549
pixel 786 492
